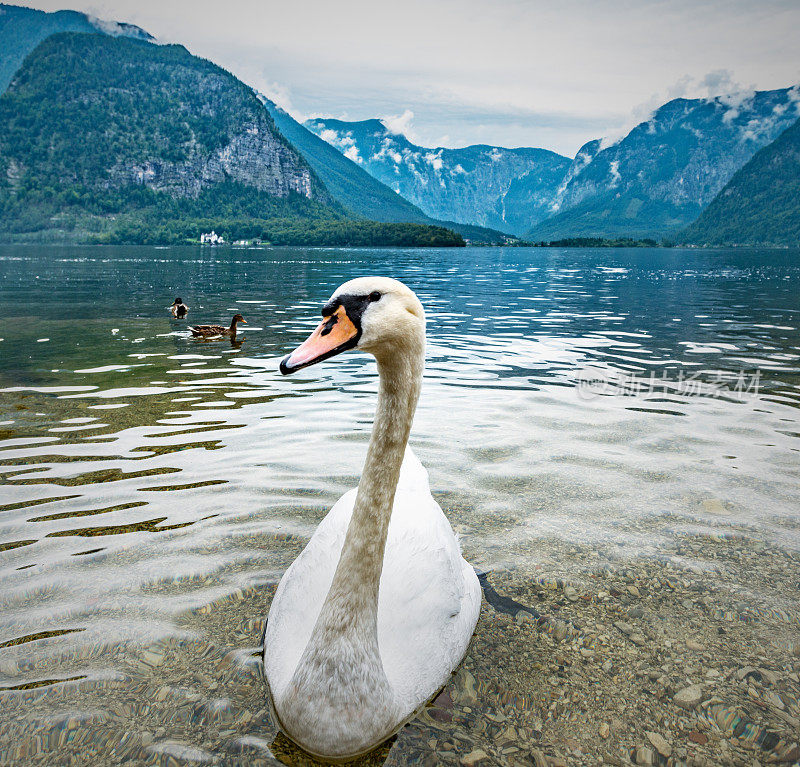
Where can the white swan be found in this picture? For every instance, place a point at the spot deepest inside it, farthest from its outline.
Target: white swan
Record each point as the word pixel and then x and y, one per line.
pixel 368 623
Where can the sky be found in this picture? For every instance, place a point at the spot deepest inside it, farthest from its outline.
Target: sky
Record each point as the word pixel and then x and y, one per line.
pixel 550 74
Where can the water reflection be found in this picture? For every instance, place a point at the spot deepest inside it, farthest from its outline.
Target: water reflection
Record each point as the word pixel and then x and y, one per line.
pixel 153 486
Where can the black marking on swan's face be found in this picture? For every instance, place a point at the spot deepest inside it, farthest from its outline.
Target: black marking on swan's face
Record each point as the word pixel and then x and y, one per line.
pixel 354 305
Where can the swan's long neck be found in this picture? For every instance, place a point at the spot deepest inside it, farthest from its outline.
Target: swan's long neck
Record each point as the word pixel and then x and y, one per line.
pixel 352 602
pixel 341 665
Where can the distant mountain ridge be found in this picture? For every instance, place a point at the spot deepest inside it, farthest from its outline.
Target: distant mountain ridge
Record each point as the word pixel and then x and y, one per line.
pixel 760 205
pixel 22 29
pixel 504 189
pixel 658 178
pixel 356 189
pixel 347 182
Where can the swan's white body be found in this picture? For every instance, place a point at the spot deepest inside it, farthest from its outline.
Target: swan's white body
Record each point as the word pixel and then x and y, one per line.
pixel 378 610
pixel 428 604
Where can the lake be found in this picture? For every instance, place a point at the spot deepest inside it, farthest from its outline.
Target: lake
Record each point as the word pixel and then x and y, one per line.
pixel 613 434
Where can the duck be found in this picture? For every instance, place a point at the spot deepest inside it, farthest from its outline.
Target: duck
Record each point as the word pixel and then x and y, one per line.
pixel 207 331
pixel 179 309
pixel 378 610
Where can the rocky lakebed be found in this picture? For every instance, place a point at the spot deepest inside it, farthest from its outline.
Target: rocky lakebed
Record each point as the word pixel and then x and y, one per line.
pixel 651 662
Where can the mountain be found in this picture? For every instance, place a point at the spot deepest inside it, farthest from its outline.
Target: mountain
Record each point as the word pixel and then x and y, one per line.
pixel 22 29
pixel 122 140
pixel 470 185
pixel 658 178
pixel 760 205
pixel 356 189
pixel 114 118
pixel 347 182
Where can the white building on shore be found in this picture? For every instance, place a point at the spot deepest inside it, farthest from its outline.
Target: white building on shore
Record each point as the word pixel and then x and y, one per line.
pixel 211 238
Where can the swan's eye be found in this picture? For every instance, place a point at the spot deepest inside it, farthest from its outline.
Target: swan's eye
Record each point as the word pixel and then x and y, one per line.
pixel 375 296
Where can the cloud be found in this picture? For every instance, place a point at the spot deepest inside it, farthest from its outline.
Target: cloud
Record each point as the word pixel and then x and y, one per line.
pixel 717 84
pixel 108 27
pixel 794 98
pixel 764 127
pixel 641 113
pixel 678 89
pixel 400 125
pixel 331 136
pixel 613 168
pixel 721 86
pixel 351 153
pixel 435 160
pixel 281 96
pixel 387 150
pixel 735 103
pixel 344 142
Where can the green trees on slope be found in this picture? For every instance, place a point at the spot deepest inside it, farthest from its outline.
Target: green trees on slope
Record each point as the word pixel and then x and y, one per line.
pixel 760 205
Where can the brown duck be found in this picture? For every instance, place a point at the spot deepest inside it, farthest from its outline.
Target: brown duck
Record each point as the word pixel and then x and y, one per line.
pixel 207 331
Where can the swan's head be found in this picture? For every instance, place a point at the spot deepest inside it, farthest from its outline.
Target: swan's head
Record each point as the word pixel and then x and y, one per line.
pixel 378 315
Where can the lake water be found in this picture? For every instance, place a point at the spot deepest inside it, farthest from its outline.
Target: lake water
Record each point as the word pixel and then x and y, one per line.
pixel 613 433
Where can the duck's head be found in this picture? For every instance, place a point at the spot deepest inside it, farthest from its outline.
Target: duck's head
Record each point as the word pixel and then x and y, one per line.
pixel 238 318
pixel 378 315
pixel 177 301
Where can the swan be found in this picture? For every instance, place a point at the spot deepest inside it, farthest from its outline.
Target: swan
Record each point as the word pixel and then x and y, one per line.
pixel 375 614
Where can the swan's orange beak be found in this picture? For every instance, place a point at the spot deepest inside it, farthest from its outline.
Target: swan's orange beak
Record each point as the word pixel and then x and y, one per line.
pixel 335 334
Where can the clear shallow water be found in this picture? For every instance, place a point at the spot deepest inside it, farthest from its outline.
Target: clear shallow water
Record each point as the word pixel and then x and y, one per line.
pixel 580 409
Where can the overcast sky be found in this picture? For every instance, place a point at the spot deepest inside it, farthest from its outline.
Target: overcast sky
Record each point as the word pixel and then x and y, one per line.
pixel 550 73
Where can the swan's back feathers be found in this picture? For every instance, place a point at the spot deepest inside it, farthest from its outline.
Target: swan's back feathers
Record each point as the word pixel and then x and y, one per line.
pixel 429 597
pixel 428 603
pixel 413 475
